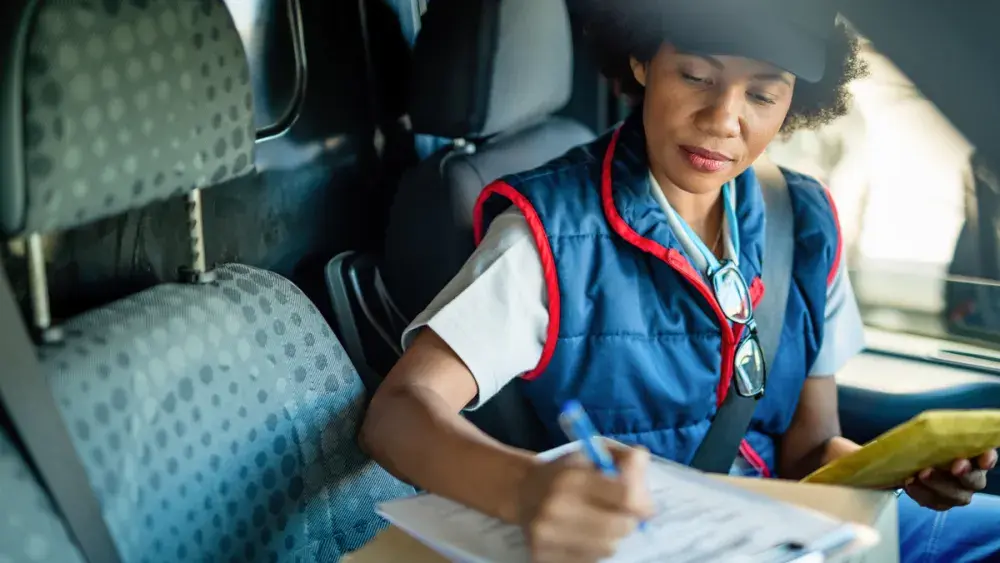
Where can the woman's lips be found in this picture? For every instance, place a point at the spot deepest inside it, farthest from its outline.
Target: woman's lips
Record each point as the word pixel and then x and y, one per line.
pixel 704 160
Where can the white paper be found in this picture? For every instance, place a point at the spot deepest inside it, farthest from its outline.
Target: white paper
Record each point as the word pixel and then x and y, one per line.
pixel 697 519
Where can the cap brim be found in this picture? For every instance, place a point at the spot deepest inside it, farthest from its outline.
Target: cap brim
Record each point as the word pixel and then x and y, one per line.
pixel 754 36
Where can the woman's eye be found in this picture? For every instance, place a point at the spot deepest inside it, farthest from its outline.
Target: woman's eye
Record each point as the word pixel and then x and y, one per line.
pixel 694 79
pixel 761 98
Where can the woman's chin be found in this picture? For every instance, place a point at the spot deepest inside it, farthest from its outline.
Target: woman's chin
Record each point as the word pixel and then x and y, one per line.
pixel 701 183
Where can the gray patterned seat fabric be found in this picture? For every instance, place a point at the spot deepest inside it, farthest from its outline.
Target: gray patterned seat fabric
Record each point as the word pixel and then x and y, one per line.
pixel 219 422
pixel 122 103
pixel 29 528
pixel 216 422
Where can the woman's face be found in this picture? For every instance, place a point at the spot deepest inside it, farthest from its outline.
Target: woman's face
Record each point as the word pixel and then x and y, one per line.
pixel 707 119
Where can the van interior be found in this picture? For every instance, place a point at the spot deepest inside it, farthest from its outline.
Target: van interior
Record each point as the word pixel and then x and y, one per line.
pixel 217 218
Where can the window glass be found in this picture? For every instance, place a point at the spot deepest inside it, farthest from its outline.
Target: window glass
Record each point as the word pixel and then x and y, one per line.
pixel 902 178
pixel 266 28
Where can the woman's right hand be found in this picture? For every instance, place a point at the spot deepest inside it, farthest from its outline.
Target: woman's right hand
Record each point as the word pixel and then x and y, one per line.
pixel 570 511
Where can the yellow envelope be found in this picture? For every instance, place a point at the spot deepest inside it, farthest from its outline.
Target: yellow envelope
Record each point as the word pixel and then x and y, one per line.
pixel 931 439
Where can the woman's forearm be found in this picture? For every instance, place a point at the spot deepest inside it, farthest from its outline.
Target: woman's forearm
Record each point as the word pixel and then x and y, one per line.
pixel 826 452
pixel 413 428
pixel 441 452
pixel 813 438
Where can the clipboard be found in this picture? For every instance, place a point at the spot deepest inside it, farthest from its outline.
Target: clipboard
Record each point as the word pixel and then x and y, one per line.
pixel 838 546
pixel 475 538
pixel 931 439
pixel 698 518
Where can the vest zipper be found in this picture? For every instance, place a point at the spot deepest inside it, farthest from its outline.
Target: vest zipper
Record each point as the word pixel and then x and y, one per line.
pixel 678 262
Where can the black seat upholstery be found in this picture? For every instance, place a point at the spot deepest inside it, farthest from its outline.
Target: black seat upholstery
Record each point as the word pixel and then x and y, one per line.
pixel 489 74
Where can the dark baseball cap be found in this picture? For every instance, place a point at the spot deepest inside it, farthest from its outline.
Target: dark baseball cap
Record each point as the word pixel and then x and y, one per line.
pixel 790 34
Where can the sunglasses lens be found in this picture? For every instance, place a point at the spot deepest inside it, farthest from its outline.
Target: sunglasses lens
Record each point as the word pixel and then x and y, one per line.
pixel 732 293
pixel 749 369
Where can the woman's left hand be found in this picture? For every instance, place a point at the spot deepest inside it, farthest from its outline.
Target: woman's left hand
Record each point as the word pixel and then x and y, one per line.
pixel 945 488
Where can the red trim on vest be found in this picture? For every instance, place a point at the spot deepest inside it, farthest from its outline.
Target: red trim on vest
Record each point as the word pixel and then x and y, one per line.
pixel 677 261
pixel 505 190
pixel 754 459
pixel 840 238
pixel 756 294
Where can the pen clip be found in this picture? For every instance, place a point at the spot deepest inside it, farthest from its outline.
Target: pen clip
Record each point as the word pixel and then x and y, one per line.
pixel 789 552
pixel 577 426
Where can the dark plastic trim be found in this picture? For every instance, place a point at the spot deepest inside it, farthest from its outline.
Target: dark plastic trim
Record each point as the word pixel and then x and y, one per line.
pixel 291 115
pixel 337 274
pixel 16 18
pixel 865 413
pixel 941 360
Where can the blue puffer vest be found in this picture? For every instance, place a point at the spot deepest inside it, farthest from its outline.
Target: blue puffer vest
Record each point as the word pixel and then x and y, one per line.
pixel 633 332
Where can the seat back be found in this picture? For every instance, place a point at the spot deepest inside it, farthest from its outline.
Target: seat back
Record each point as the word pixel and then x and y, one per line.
pixel 216 420
pixel 489 74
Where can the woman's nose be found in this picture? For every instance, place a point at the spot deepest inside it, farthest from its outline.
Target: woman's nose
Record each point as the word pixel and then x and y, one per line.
pixel 722 117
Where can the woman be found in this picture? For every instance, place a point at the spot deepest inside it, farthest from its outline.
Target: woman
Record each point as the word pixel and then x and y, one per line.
pixel 593 286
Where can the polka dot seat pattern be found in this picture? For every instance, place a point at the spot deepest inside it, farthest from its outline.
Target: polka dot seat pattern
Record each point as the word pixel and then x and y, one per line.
pixel 219 423
pixel 29 528
pixel 126 102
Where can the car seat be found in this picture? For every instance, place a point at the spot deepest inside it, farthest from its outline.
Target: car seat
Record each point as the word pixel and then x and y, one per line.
pixel 216 419
pixel 490 75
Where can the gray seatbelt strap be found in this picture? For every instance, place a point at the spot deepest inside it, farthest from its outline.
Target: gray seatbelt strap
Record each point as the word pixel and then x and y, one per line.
pixel 779 248
pixel 720 446
pixel 28 403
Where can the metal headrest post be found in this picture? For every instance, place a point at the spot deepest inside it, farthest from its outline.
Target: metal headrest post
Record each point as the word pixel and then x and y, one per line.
pixel 463 146
pixel 458 147
pixel 41 314
pixel 196 271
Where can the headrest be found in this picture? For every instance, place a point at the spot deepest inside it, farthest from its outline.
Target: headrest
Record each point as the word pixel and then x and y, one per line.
pixel 108 106
pixel 485 66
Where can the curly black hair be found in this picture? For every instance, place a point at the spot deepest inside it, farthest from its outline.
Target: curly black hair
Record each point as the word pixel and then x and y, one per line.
pixel 615 34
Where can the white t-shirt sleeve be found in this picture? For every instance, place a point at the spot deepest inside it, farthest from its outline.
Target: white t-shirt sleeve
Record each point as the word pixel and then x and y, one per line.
pixel 494 312
pixel 844 331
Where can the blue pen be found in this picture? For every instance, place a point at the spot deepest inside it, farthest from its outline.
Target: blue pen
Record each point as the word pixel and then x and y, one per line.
pixel 577 426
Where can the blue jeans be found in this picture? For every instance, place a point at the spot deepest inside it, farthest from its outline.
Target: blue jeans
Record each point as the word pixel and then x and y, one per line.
pixel 960 535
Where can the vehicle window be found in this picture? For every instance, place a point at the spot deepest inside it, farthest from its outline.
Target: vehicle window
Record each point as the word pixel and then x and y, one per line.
pixel 902 178
pixel 268 30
